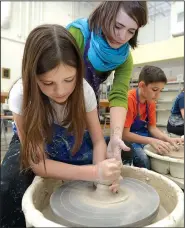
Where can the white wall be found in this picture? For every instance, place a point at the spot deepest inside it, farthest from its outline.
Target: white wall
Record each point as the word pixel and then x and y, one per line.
pixel 172 68
pixel 57 12
pixel 157 29
pixel 27 15
pixel 165 24
pixel 11 57
pixel 24 17
pixel 83 9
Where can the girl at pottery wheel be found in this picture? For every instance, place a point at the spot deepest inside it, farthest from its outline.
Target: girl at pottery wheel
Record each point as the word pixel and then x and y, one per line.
pixel 58 134
pixel 176 120
pixel 105 39
pixel 140 125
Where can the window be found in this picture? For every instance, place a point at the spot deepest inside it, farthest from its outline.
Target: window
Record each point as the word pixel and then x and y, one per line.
pixel 177 19
pixel 5 14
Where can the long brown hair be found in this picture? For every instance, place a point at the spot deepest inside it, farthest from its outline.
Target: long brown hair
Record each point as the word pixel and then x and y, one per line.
pixel 46 47
pixel 104 17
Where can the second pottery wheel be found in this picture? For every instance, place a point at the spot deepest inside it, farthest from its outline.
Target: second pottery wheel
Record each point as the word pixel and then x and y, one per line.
pixel 179 154
pixel 80 203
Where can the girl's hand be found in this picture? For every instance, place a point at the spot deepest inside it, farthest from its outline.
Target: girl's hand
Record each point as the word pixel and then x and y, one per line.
pixel 107 171
pixel 116 185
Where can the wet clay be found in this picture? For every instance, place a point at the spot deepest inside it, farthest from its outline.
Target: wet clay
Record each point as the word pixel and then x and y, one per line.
pixel 177 153
pixel 173 153
pixel 80 204
pixel 101 194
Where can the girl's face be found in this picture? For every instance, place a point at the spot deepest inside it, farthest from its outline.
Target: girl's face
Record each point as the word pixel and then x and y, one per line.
pixel 125 29
pixel 59 83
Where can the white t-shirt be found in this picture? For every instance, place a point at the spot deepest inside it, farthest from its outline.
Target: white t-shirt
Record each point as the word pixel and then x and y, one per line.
pixel 16 99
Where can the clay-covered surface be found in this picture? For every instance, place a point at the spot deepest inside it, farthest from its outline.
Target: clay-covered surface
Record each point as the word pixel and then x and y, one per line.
pixel 37 209
pixel 79 203
pixel 173 153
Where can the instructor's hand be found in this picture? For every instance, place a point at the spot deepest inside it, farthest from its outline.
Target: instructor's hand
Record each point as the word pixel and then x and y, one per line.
pixel 114 148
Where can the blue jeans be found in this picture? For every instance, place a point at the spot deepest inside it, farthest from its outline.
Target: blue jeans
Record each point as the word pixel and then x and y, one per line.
pixel 140 159
pixel 13 186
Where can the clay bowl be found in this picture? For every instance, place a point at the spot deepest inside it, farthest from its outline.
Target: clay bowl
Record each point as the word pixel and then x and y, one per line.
pixel 165 164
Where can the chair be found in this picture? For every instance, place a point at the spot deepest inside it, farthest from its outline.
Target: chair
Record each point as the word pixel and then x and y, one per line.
pixel 3 127
pixel 106 120
pixel 3 130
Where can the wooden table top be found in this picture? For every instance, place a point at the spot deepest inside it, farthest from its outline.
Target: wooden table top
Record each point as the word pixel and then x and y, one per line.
pixel 6 117
pixel 104 103
pixel 4 94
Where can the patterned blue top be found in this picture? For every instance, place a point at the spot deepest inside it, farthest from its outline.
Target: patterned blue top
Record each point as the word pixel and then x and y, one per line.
pixel 178 104
pixel 61 146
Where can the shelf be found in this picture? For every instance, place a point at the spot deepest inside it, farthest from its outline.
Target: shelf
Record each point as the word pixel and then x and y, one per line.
pixel 4 94
pixel 170 90
pixel 165 101
pixel 162 110
pixel 168 83
pixel 161 124
pixel 164 90
pixel 175 82
pixel 133 85
pixel 134 81
pixel 104 103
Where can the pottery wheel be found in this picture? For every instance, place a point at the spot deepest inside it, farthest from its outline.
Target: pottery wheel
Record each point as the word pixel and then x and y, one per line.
pixel 179 154
pixel 80 203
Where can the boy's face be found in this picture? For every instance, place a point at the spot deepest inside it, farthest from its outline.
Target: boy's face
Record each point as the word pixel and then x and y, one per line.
pixel 151 92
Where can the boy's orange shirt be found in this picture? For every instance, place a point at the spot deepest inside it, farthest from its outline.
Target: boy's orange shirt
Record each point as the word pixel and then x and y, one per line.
pixel 132 110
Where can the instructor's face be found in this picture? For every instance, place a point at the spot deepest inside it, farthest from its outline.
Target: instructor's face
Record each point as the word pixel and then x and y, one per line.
pixel 125 29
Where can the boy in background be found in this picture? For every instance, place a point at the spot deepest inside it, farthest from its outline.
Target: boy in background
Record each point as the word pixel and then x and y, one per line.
pixel 176 119
pixel 140 125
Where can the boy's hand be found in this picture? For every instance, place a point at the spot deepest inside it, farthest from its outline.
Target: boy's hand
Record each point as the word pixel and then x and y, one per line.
pixel 175 142
pixel 160 146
